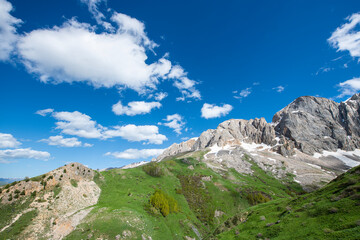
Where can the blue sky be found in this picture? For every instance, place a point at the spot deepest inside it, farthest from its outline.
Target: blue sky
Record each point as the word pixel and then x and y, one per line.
pixel 108 83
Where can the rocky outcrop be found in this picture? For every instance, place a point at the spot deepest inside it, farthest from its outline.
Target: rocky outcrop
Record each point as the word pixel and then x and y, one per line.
pixel 309 124
pixel 177 148
pixel 235 131
pixel 286 146
pixel 315 124
pixel 61 199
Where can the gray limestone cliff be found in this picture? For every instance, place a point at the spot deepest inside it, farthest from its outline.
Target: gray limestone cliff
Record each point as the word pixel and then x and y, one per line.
pixel 309 124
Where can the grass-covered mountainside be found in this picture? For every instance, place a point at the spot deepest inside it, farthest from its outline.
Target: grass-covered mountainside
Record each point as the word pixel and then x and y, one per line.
pixel 332 212
pixel 204 200
pixel 181 198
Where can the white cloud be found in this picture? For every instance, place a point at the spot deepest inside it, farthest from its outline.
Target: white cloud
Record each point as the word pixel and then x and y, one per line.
pixel 324 70
pixel 349 87
pixel 113 56
pixel 94 10
pixel 185 85
pixel 279 89
pixel 65 142
pixel 8 141
pixel 133 133
pixel 160 96
pixel 135 153
pixel 346 37
pixel 78 124
pixel 213 111
pixel 8 35
pixel 134 108
pixel 20 153
pixel 44 112
pixel 74 52
pixel 81 125
pixel 244 93
pixel 175 122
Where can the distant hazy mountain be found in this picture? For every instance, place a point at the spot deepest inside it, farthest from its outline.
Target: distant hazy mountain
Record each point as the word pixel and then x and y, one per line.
pixel 4 181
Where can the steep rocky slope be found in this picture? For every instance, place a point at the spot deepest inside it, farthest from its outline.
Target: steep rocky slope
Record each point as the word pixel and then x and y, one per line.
pixel 59 200
pixel 313 138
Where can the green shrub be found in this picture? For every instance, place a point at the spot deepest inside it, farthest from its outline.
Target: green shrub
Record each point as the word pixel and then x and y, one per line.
pixel 17 191
pixel 73 182
pixel 153 169
pixel 23 192
pixel 57 190
pixel 10 197
pixel 50 177
pixel 33 194
pixel 16 196
pixel 64 171
pixel 164 203
pixel 257 197
pixel 198 197
pixel 27 179
pixel 7 186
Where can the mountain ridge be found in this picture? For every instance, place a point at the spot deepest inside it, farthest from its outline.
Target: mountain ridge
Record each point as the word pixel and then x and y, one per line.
pixel 310 131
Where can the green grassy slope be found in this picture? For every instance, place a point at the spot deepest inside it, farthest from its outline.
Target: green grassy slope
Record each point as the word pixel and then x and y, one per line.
pixel 123 208
pixel 332 212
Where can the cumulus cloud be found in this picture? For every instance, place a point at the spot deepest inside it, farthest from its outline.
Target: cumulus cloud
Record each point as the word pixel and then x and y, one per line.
pixel 81 125
pixel 134 108
pixel 78 124
pixel 185 85
pixel 22 153
pixel 8 141
pixel 175 122
pixel 347 37
pixel 65 142
pixel 349 87
pixel 213 111
pixel 74 52
pixel 133 133
pixel 279 89
pixel 113 56
pixel 44 112
pixel 8 35
pixel 135 153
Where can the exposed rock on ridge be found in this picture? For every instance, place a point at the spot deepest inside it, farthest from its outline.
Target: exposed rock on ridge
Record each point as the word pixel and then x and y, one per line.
pixel 309 124
pixel 315 124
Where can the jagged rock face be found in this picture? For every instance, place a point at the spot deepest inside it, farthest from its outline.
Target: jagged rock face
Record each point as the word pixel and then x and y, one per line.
pixel 310 124
pixel 315 124
pixel 235 131
pixel 177 148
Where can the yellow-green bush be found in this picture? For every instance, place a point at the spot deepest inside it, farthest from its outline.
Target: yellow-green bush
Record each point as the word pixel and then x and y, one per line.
pixel 257 197
pixel 164 203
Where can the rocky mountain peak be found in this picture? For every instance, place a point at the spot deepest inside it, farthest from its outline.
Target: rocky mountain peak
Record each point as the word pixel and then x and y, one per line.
pixel 309 124
pixel 315 124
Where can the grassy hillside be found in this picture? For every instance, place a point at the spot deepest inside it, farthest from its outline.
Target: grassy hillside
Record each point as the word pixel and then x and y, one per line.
pixel 182 198
pixel 332 212
pixel 205 200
